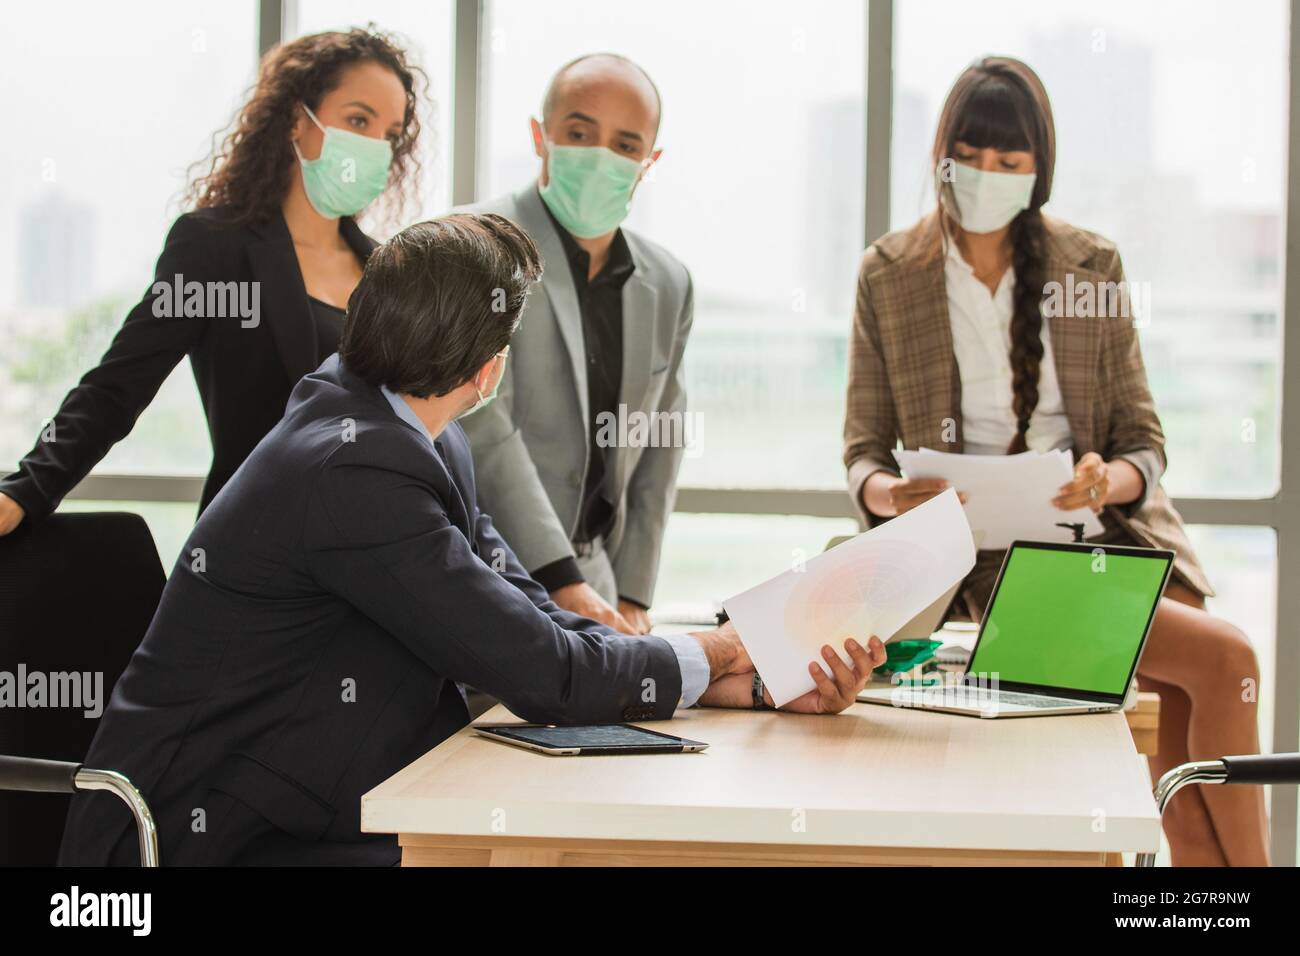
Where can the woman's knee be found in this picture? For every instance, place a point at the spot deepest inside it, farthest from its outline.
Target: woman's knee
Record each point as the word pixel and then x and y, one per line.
pixel 1228 661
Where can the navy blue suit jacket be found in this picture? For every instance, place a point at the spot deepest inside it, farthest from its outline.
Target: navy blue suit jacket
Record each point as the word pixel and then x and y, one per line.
pixel 309 639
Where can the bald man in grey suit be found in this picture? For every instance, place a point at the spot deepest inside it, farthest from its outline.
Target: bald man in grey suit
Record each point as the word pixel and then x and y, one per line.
pixel 582 497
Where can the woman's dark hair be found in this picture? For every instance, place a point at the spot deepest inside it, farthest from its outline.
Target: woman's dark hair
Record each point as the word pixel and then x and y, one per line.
pixel 1000 103
pixel 437 301
pixel 249 171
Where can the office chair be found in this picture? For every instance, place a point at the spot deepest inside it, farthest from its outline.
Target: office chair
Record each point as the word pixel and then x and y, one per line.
pixel 27 775
pixel 1254 769
pixel 77 593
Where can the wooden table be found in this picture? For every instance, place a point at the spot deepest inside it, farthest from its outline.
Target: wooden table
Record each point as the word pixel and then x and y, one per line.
pixel 1144 723
pixel 874 785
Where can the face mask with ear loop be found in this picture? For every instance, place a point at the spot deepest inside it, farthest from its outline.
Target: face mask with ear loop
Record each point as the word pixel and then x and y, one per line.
pixel 589 188
pixel 349 174
pixel 981 201
pixel 485 400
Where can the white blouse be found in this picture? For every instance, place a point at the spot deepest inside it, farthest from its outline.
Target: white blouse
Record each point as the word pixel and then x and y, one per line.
pixel 981 339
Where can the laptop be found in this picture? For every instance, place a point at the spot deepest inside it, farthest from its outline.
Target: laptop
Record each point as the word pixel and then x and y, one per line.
pixel 1063 634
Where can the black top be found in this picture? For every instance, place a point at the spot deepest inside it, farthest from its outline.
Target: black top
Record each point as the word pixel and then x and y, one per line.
pixel 600 303
pixel 244 367
pixel 384 580
pixel 329 323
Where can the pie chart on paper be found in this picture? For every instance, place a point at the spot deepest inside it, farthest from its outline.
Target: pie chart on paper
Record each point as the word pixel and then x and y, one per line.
pixel 847 600
pixel 871 584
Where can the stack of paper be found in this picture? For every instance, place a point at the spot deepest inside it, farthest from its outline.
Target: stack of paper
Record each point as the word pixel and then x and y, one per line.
pixel 872 584
pixel 1007 496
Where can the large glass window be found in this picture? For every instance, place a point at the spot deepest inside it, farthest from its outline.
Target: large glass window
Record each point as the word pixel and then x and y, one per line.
pixel 93 165
pixel 424 30
pixel 1159 150
pixel 709 558
pixel 759 192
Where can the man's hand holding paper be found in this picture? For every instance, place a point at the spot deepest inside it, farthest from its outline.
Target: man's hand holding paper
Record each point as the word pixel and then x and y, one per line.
pixel 830 694
pixel 870 585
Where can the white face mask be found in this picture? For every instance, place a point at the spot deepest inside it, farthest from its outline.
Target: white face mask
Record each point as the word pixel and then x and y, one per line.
pixel 985 201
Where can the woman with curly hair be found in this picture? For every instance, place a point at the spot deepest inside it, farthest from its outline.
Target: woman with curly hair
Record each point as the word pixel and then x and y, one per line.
pixel 253 282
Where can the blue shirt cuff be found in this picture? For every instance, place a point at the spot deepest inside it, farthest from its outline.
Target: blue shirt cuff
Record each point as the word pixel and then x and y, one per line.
pixel 694 666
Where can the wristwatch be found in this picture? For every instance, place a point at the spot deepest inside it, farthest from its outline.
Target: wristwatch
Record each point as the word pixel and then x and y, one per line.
pixel 759 703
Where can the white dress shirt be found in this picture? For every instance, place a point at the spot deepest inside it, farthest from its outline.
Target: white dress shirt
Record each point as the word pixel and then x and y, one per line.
pixel 981 339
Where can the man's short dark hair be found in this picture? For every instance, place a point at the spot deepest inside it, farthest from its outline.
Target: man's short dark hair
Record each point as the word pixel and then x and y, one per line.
pixel 437 301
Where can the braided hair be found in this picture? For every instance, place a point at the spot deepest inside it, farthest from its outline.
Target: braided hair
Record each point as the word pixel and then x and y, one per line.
pixel 1028 261
pixel 1000 103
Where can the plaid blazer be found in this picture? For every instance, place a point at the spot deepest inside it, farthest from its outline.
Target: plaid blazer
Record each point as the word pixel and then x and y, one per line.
pixel 904 385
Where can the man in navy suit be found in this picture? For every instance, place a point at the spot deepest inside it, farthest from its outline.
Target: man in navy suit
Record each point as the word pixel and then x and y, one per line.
pixel 314 632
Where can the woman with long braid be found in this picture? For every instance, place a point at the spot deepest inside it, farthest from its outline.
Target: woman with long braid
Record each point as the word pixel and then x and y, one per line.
pixel 950 350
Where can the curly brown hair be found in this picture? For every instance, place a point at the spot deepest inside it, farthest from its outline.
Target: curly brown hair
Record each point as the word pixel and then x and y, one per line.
pixel 249 170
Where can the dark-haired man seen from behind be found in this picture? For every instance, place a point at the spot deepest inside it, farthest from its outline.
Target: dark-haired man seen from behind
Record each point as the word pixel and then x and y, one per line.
pixel 311 637
pixel 602 344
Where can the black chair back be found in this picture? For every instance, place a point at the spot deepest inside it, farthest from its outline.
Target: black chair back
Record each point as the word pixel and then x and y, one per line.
pixel 77 593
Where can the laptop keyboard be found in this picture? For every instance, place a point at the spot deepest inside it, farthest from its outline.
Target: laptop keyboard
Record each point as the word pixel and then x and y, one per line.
pixel 1035 700
pixel 976 698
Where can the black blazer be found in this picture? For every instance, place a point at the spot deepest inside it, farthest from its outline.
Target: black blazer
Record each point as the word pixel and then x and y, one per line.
pixel 309 639
pixel 244 375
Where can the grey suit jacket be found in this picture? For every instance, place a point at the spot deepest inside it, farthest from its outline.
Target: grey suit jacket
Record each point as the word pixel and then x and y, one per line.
pixel 531 444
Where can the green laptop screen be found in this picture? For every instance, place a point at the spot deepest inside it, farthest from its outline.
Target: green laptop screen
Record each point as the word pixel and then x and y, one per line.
pixel 1069 619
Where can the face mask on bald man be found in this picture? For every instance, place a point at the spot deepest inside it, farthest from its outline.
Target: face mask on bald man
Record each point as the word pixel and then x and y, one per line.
pixel 596 136
pixel 589 188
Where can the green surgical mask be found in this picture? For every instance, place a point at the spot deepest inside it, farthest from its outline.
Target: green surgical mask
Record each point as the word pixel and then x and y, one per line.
pixel 349 174
pixel 588 188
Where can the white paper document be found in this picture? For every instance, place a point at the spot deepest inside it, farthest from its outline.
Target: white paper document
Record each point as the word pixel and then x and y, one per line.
pixel 872 584
pixel 1007 496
